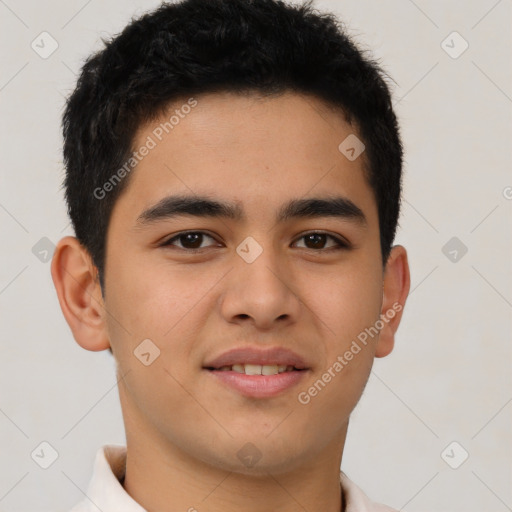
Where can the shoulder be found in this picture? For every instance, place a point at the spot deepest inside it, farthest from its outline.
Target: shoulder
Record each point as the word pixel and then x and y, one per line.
pixel 81 507
pixel 105 491
pixel 355 499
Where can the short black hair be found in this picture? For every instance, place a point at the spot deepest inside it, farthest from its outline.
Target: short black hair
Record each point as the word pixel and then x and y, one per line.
pixel 191 47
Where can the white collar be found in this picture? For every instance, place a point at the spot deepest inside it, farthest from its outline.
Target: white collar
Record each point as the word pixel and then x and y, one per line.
pixel 106 494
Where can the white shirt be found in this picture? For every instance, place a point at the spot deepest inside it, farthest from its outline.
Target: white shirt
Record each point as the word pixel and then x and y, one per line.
pixel 106 494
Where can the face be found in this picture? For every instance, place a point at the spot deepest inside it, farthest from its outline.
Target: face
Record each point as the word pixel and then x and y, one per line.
pixel 270 278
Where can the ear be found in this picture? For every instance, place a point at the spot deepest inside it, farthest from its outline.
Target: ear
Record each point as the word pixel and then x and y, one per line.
pixel 397 281
pixel 75 278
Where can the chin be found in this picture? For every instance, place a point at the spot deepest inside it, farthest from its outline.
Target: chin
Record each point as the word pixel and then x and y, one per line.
pixel 259 457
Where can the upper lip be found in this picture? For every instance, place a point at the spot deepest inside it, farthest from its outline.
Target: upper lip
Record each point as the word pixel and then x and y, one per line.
pixel 250 355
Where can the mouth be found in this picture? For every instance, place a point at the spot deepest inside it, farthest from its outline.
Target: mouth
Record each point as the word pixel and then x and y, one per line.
pixel 257 385
pixel 256 369
pixel 257 372
pixel 260 381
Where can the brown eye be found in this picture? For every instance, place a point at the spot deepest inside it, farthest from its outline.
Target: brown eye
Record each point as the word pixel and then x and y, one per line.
pixel 191 240
pixel 315 241
pixel 318 241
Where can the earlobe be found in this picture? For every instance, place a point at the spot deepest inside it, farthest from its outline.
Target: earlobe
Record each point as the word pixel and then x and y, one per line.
pixel 79 293
pixel 397 282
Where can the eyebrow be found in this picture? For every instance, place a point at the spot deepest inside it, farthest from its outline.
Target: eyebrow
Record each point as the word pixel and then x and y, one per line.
pixel 200 206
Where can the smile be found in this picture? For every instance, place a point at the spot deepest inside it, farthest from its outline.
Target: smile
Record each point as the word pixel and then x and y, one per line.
pixel 256 369
pixel 257 381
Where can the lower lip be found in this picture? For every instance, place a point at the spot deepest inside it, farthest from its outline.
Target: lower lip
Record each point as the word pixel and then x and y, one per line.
pixel 259 386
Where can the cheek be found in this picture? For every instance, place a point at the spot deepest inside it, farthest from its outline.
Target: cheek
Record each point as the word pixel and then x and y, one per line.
pixel 151 300
pixel 355 305
pixel 347 300
pixel 162 304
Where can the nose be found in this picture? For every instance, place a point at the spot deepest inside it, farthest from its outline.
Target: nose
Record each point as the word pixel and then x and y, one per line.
pixel 260 293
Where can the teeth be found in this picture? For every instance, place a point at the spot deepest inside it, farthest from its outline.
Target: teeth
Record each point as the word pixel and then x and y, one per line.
pixel 258 369
pixel 253 369
pixel 269 370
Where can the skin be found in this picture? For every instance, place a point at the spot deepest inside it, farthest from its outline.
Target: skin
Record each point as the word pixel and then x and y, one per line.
pixel 183 427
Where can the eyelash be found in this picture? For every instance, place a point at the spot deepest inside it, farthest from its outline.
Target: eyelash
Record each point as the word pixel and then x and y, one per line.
pixel 340 243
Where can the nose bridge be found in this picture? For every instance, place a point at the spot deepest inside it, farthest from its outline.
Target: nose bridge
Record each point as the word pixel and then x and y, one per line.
pixel 263 275
pixel 259 286
pixel 259 269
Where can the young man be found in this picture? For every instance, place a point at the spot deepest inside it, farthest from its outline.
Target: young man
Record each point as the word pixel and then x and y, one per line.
pixel 233 178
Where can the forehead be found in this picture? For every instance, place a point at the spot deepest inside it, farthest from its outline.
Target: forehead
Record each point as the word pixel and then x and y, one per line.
pixel 253 150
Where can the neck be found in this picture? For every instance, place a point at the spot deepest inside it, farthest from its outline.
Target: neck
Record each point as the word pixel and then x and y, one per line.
pixel 165 479
pixel 162 477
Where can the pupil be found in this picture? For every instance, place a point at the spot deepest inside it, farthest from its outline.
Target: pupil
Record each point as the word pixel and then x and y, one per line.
pixel 317 239
pixel 193 239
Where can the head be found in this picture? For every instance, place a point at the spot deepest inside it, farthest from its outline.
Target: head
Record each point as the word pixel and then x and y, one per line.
pixel 227 122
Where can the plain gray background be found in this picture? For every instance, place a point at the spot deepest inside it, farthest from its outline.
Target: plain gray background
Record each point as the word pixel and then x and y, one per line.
pixel 449 377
